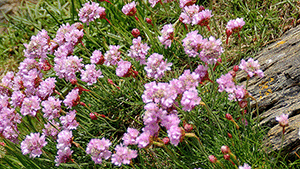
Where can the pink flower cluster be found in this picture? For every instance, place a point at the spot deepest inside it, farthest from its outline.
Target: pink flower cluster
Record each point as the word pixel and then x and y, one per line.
pixel 188 13
pixel 112 56
pixel 64 152
pixel 129 9
pixel 91 11
pixel 184 3
pixel 235 92
pixel 209 50
pixel 167 35
pixel 98 149
pixel 138 50
pixel 38 47
pixel 251 67
pixel 156 66
pixel 283 120
pixel 33 144
pixel 123 155
pixel 90 75
pixel 202 18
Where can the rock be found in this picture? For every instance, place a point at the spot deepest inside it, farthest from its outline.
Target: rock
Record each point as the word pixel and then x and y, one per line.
pixel 279 91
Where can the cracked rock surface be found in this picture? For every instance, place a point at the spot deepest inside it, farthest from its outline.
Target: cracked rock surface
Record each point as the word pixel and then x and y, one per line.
pixel 279 91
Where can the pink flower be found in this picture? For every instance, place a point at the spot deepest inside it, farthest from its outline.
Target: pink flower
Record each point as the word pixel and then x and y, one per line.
pixel 188 13
pixel 190 99
pixel 143 140
pixel 64 139
pixel 63 155
pixel 123 155
pixel 90 12
pixel 235 25
pixel 251 67
pixel 72 99
pixel 30 106
pixel 192 43
pixel 174 133
pixel 99 149
pixel 245 166
pixel 97 57
pixel 283 120
pixel 129 9
pixel 202 18
pixel 69 122
pixel 138 50
pixel 33 144
pixel 167 35
pixel 52 108
pixel 112 56
pixel 46 88
pixel 211 50
pixel 123 69
pixel 129 138
pixel 38 46
pixel 90 75
pixel 184 3
pixel 156 66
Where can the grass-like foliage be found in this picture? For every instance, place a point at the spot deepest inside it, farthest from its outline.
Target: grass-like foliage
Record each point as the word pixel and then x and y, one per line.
pixel 136 84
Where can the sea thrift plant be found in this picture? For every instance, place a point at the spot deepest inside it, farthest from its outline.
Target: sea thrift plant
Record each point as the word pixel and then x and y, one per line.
pixel 167 35
pixel 234 26
pixel 202 18
pixel 156 66
pixel 283 120
pixel 98 149
pixel 90 75
pixel 188 13
pixel 251 67
pixel 123 155
pixel 91 11
pixel 138 50
pixel 129 9
pixel 33 145
pixel 112 56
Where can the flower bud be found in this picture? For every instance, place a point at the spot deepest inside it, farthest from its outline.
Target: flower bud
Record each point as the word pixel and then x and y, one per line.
pixel 93 116
pixel 166 140
pixel 226 156
pixel 212 159
pixel 243 103
pixel 149 21
pixel 229 135
pixel 188 127
pixel 73 81
pixel 219 60
pixel 135 32
pixel 235 68
pixel 228 32
pixel 228 116
pixel 225 149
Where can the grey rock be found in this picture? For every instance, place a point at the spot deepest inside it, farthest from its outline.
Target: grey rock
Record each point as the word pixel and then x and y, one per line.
pixel 279 91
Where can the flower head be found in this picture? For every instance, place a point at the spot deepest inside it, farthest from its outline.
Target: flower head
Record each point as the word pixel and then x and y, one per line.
pixel 138 50
pixel 91 11
pixel 90 75
pixel 167 34
pixel 283 120
pixel 245 166
pixel 33 144
pixel 129 138
pixel 156 66
pixel 98 149
pixel 129 9
pixel 123 155
pixel 251 67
